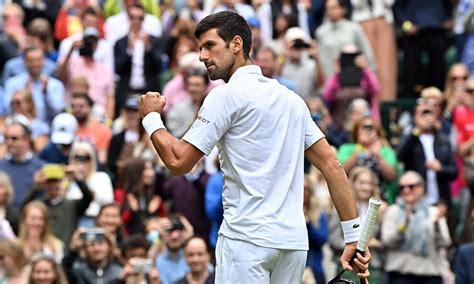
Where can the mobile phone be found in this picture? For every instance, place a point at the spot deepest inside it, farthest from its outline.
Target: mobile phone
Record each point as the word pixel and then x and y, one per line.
pixel 142 265
pixel 93 234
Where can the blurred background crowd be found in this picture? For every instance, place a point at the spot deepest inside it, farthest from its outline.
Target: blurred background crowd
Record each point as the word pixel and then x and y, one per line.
pixel 85 199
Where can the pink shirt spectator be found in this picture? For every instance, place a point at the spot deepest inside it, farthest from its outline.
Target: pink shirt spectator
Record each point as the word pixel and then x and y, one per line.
pixel 463 121
pixel 99 75
pixel 369 85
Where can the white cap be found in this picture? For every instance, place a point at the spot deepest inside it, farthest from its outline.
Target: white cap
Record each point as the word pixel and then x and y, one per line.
pixel 64 128
pixel 295 33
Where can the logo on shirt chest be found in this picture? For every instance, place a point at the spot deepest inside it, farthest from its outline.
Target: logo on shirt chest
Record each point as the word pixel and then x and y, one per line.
pixel 203 120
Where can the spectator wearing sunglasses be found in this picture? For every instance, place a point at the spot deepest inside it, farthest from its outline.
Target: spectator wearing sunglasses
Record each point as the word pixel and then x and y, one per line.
pixel 414 232
pixel 370 149
pixel 427 151
pixel 83 157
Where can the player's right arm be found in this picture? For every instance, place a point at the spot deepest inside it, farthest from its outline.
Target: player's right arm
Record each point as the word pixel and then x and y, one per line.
pixel 179 156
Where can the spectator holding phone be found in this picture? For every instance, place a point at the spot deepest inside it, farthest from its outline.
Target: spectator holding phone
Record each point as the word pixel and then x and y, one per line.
pixel 138 269
pixel 427 151
pixel 49 187
pixel 353 80
pixel 171 263
pixel 91 257
pixel 370 149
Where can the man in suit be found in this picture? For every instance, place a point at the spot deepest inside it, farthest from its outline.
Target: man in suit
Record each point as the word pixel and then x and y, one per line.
pixel 137 59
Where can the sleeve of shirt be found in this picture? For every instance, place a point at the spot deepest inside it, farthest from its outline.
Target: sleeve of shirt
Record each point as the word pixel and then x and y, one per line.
pixel 214 119
pixel 312 132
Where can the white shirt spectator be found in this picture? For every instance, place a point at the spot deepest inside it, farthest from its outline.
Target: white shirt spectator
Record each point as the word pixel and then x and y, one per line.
pixel 118 26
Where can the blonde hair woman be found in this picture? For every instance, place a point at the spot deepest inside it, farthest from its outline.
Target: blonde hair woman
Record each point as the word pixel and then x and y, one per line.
pixel 8 217
pixel 35 233
pixel 83 157
pixel 13 263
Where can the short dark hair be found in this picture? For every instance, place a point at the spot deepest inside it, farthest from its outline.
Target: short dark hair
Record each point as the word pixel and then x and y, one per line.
pixel 85 97
pixel 136 5
pixel 134 242
pixel 228 25
pixel 89 11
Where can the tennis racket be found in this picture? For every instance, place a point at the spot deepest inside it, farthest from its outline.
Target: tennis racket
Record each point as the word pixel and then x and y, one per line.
pixel 365 235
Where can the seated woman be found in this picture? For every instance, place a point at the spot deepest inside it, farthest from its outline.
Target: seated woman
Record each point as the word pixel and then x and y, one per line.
pixel 369 148
pixel 35 233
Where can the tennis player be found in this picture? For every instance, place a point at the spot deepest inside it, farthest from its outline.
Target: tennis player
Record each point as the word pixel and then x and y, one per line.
pixel 262 131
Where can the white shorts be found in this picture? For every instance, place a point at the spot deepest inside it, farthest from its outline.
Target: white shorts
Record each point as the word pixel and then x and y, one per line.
pixel 242 262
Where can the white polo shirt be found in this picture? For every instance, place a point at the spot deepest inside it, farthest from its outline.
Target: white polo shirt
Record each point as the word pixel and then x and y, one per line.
pixel 261 129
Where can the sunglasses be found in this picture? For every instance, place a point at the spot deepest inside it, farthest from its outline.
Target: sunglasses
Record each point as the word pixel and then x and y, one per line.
pixel 456 78
pixel 16 102
pixel 82 158
pixel 470 91
pixel 410 186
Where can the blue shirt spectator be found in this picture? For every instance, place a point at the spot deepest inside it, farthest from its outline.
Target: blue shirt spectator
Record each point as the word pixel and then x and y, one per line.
pixel 171 268
pixel 48 93
pixel 464 267
pixel 16 66
pixel 213 205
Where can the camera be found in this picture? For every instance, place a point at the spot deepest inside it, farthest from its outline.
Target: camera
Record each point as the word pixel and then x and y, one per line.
pixel 300 44
pixel 142 265
pixel 87 49
pixel 93 234
pixel 176 225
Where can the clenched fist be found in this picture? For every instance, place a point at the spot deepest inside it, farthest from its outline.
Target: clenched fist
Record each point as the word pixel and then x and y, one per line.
pixel 151 102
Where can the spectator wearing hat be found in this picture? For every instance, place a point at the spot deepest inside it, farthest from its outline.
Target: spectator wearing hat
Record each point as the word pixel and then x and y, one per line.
pixel 300 62
pixel 336 33
pixel 257 40
pixel 63 133
pixel 20 163
pixel 48 187
pixel 104 52
pixel 90 130
pixel 101 91
pixel 137 59
pixel 47 92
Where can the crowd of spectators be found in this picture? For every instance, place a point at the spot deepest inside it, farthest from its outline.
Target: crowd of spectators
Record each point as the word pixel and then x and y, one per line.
pixel 84 198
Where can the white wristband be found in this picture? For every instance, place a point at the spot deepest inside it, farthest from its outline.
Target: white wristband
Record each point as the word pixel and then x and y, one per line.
pixel 152 122
pixel 351 230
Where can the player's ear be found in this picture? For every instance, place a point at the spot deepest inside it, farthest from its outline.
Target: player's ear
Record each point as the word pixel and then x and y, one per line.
pixel 236 44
